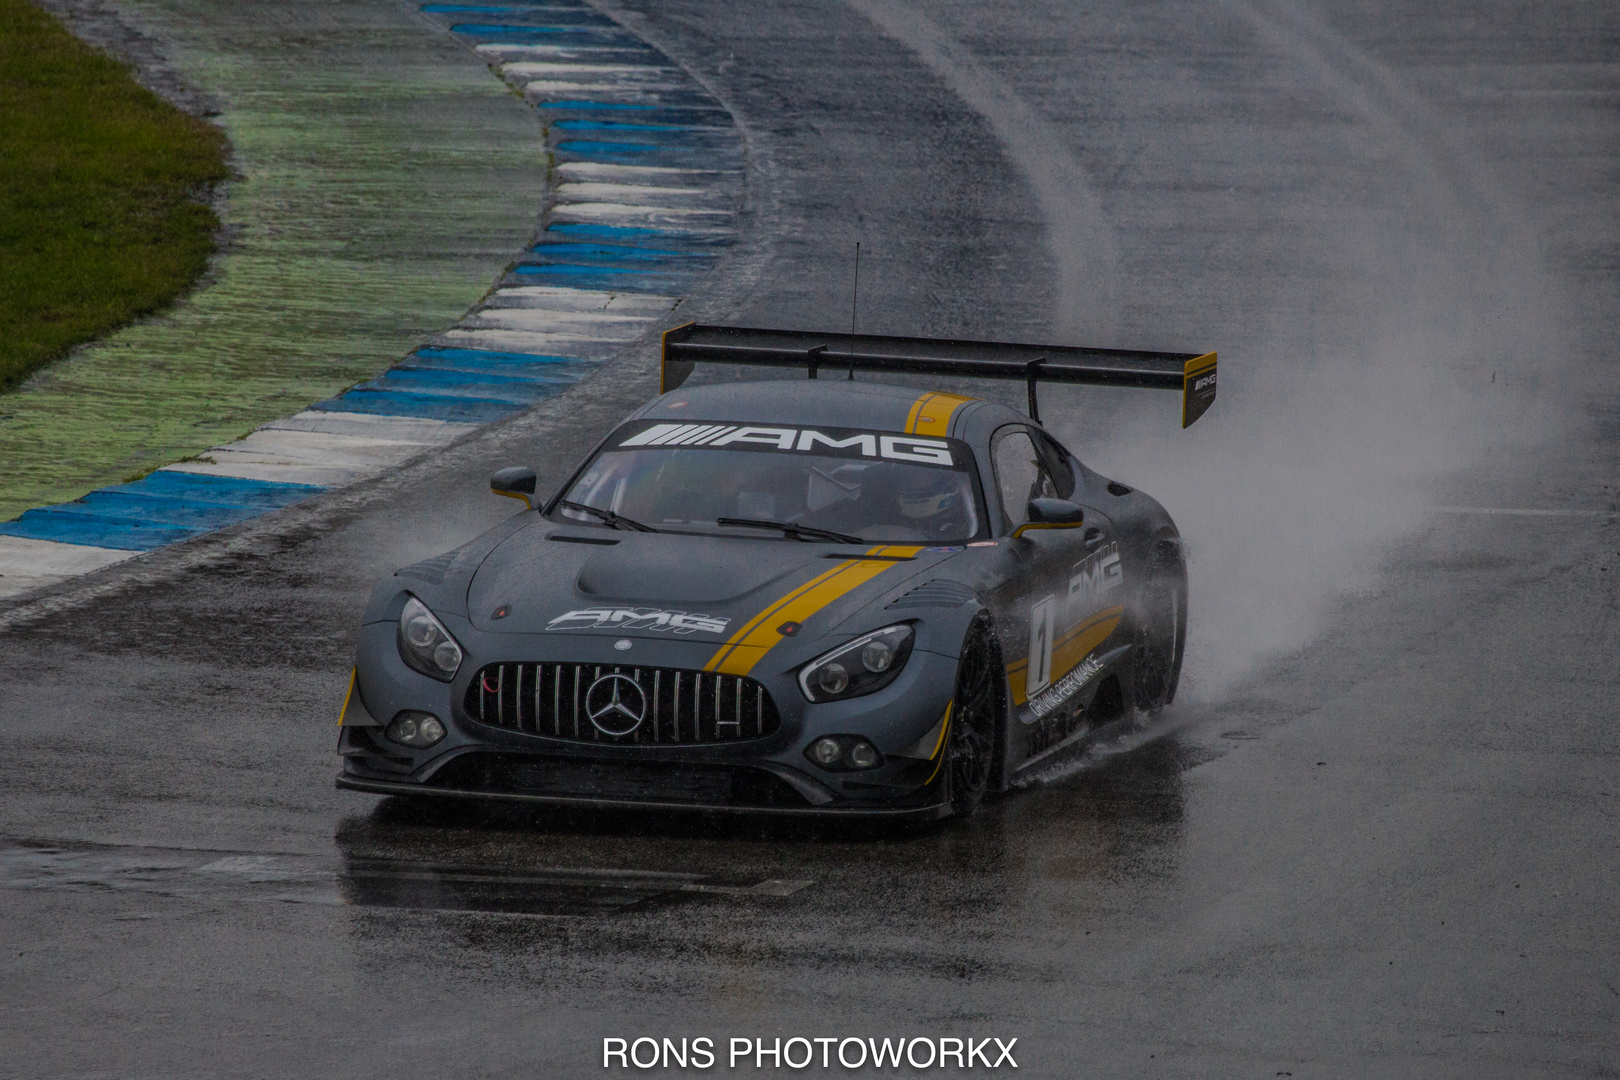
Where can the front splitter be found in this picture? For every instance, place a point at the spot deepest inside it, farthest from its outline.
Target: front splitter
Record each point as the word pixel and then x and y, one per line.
pixel 880 813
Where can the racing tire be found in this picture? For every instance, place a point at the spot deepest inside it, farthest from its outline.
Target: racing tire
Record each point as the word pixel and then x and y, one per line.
pixel 1161 629
pixel 977 709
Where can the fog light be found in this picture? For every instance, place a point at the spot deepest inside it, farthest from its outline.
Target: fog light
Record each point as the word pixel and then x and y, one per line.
pixel 863 755
pixel 843 753
pixel 415 729
pixel 826 752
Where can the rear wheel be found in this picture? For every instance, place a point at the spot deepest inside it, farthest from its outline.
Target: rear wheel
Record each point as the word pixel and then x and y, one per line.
pixel 975 718
pixel 1161 628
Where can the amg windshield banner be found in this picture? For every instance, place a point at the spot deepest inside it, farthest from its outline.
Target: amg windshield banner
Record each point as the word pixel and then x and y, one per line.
pixel 770 438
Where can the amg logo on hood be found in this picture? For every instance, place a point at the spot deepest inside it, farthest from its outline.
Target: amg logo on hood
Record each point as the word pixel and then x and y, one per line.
pixel 609 618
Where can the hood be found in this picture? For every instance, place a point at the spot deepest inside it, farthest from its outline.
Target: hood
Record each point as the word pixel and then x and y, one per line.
pixel 570 579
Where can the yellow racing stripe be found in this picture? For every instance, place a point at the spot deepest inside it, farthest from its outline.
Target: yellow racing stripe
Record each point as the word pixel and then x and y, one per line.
pixel 758 635
pixel 944 730
pixel 931 414
pixel 1079 642
pixel 354 674
pixel 1069 635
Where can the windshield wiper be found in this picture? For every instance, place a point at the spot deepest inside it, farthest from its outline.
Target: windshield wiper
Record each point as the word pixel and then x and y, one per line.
pixel 798 532
pixel 612 520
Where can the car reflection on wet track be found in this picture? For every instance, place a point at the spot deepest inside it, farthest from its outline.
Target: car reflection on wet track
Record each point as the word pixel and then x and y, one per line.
pixel 562 891
pixel 1115 815
pixel 525 861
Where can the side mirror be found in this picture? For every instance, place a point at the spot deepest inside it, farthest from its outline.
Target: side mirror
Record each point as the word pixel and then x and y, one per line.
pixel 515 483
pixel 1051 514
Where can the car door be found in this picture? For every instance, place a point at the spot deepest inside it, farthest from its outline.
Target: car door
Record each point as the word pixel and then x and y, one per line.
pixel 1035 598
pixel 1092 605
pixel 1055 611
pixel 1063 601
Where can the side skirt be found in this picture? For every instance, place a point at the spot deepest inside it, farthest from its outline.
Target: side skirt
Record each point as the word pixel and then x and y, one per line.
pixel 1070 725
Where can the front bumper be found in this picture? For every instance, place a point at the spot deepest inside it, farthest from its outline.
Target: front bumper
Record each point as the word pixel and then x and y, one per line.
pixel 765 775
pixel 728 779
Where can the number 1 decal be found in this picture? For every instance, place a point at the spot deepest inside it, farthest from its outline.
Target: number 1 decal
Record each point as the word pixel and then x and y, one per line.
pixel 1039 672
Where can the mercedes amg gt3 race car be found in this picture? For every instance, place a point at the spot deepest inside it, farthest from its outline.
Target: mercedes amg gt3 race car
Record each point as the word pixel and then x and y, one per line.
pixel 816 595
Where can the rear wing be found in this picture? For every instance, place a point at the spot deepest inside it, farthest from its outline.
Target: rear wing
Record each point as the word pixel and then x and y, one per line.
pixel 1191 373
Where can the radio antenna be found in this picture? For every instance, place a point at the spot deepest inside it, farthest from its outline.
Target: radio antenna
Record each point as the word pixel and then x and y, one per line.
pixel 854 299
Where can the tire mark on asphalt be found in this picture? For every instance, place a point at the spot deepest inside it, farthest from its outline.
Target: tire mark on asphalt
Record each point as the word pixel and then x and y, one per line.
pixel 1476 212
pixel 1082 243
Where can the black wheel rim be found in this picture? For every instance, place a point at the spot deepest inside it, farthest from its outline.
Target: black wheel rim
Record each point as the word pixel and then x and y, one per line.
pixel 973 719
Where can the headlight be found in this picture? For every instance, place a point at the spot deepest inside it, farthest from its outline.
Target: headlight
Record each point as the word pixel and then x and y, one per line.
pixel 424 643
pixel 867 664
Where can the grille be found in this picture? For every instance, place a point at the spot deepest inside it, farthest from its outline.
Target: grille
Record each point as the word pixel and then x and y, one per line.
pixel 686 707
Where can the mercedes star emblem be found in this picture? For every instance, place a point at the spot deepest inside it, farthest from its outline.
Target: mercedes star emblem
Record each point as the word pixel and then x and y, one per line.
pixel 616 704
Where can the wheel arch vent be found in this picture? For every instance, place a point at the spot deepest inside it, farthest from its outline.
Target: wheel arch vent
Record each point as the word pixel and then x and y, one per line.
pixel 431 570
pixel 939 593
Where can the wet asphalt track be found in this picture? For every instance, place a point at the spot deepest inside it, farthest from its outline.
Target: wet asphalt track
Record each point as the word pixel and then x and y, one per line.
pixel 1391 852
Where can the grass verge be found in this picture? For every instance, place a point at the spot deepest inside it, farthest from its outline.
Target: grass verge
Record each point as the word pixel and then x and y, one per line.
pixel 384 178
pixel 100 181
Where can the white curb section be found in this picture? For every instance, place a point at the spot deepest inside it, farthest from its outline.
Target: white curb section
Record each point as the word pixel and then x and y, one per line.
pixel 28 564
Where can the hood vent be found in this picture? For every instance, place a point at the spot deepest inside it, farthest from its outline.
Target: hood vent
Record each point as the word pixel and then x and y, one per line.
pixel 938 593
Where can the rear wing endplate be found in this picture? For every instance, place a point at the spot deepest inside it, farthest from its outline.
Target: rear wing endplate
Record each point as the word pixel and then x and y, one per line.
pixel 1191 373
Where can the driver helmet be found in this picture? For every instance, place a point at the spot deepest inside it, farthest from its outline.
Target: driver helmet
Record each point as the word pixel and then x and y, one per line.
pixel 929 494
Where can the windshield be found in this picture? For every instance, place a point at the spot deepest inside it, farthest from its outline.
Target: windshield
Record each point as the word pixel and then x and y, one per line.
pixel 872 485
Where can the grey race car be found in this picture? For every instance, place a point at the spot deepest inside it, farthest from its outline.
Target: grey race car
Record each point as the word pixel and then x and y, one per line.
pixel 802 596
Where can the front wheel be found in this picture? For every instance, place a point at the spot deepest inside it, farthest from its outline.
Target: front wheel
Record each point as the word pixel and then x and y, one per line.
pixel 976 712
